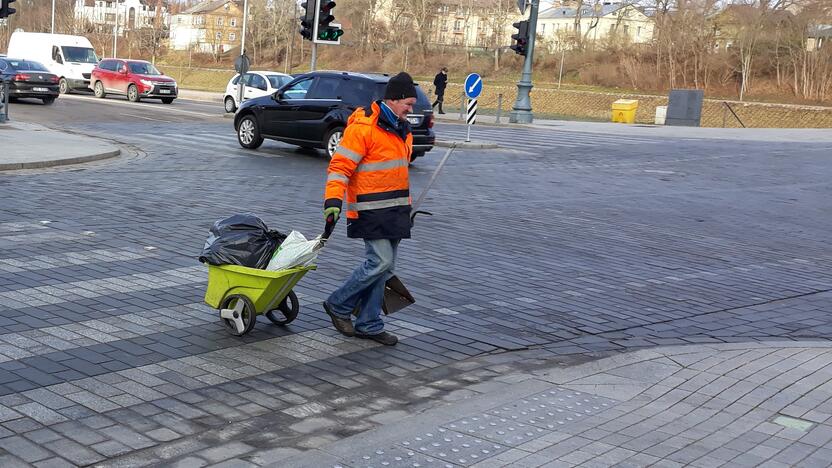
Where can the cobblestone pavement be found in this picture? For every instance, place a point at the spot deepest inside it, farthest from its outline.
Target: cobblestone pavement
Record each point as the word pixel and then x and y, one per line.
pixel 748 404
pixel 537 256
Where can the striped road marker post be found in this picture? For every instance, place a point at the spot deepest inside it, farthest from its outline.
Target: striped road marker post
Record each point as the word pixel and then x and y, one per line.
pixel 472 117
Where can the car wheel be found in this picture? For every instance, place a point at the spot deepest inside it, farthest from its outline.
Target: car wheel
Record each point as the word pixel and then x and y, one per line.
pixel 230 105
pixel 167 100
pixel 133 93
pixel 248 133
pixel 48 100
pixel 416 154
pixel 332 140
pixel 63 86
pixel 98 89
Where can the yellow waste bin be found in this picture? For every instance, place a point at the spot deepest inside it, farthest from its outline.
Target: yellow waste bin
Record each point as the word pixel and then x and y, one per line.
pixel 624 110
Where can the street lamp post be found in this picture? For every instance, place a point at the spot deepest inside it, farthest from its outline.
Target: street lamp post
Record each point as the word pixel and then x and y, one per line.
pixel 241 85
pixel 53 17
pixel 522 110
pixel 245 17
pixel 115 33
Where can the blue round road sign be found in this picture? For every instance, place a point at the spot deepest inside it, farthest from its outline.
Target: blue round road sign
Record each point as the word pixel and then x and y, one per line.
pixel 473 86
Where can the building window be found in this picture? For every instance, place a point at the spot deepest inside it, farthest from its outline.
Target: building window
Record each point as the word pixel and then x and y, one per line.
pixel 233 22
pixel 626 29
pixel 543 28
pixel 457 25
pixel 638 32
pixel 232 37
pixel 219 36
pixel 219 21
pixel 200 20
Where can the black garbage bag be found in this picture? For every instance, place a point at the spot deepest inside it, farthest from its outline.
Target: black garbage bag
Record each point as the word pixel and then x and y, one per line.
pixel 241 239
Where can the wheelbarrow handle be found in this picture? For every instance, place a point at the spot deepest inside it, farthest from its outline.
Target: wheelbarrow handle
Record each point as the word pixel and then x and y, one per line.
pixel 418 212
pixel 329 227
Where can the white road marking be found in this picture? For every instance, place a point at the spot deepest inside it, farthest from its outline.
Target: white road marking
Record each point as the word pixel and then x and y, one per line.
pixel 138 105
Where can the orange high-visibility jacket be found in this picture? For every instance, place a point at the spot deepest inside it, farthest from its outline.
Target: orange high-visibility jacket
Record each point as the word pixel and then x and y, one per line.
pixel 370 165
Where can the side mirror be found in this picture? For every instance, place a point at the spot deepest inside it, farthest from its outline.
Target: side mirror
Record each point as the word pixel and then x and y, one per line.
pixel 123 71
pixel 59 59
pixel 278 96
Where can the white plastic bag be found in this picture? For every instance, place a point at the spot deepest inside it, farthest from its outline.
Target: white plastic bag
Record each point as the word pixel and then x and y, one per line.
pixel 295 251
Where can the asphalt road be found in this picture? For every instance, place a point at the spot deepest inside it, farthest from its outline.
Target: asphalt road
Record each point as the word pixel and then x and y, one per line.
pixel 70 109
pixel 569 243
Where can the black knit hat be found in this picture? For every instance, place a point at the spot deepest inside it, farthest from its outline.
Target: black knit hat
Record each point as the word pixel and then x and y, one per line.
pixel 400 87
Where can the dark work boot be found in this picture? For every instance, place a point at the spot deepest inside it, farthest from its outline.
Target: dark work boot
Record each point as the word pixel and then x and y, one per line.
pixel 385 338
pixel 341 324
pixel 440 108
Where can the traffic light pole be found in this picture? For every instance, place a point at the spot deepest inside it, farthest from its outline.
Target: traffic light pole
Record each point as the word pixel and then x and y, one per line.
pixel 314 56
pixel 522 110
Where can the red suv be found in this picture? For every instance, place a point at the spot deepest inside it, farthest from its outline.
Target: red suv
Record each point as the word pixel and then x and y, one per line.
pixel 136 79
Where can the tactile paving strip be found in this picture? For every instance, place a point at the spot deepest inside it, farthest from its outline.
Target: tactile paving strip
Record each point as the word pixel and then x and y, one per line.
pixel 454 447
pixel 397 457
pixel 503 430
pixel 554 408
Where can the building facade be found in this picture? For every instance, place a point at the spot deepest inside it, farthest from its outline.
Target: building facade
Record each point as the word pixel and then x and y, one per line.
pixel 100 15
pixel 564 26
pixel 213 26
pixel 488 23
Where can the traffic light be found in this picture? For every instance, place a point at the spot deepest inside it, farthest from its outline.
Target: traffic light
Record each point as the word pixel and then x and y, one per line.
pixel 307 20
pixel 5 9
pixel 326 31
pixel 521 38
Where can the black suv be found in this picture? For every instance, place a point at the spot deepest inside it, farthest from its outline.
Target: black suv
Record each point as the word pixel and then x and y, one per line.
pixel 311 111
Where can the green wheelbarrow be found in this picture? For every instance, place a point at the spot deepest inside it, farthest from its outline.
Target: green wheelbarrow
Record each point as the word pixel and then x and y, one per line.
pixel 241 294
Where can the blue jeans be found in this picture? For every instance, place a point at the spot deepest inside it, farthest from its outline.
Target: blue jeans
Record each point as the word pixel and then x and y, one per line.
pixel 365 288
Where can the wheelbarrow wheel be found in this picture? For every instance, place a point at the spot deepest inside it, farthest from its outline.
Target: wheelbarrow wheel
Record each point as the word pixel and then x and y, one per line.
pixel 238 314
pixel 286 311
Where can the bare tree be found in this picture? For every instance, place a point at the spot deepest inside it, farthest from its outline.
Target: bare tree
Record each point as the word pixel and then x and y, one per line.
pixel 497 15
pixel 421 14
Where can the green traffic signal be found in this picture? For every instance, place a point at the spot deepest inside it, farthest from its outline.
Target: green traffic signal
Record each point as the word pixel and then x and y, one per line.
pixel 330 34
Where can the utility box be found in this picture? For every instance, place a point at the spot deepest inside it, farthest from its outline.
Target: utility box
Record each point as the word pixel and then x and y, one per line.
pixel 624 111
pixel 684 108
pixel 661 114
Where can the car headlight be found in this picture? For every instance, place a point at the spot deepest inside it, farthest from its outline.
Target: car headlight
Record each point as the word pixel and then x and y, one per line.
pixel 147 82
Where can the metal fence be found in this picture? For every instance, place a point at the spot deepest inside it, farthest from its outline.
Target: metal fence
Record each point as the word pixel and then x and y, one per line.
pixel 590 105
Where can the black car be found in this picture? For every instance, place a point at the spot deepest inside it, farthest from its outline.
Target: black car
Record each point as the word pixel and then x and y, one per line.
pixel 29 79
pixel 311 111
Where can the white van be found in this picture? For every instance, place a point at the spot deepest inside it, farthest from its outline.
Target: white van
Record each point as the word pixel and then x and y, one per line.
pixel 72 58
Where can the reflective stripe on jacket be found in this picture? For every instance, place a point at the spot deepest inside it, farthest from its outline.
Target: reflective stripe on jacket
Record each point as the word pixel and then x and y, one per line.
pixel 370 166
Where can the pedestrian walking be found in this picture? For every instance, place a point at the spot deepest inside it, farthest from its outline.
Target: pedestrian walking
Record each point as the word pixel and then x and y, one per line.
pixel 370 166
pixel 440 82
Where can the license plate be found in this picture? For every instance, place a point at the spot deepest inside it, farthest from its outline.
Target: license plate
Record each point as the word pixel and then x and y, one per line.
pixel 40 90
pixel 413 120
pixel 164 91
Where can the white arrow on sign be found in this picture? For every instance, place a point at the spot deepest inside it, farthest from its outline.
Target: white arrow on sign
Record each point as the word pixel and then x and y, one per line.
pixel 471 89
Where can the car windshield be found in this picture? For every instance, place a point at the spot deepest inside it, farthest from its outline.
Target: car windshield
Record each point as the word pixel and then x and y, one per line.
pixel 79 55
pixel 278 80
pixel 140 68
pixel 27 65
